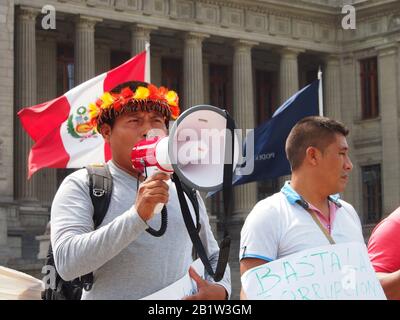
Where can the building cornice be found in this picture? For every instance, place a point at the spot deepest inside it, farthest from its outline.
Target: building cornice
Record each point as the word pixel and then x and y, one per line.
pixel 301 24
pixel 238 31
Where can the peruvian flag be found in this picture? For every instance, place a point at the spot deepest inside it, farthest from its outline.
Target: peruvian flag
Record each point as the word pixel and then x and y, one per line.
pixel 60 128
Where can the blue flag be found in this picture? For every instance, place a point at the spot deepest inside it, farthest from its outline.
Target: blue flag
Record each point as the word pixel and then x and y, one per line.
pixel 269 139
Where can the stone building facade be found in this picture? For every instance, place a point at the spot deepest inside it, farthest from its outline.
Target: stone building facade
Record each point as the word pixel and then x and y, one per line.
pixel 245 56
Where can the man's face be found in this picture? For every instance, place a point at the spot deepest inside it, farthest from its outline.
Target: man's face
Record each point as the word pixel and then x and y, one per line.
pixel 335 165
pixel 128 130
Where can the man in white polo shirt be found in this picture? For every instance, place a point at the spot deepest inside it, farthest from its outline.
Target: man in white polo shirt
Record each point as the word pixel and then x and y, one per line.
pixel 306 213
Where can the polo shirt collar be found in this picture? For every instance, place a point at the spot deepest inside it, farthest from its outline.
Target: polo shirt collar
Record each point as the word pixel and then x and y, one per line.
pixel 293 197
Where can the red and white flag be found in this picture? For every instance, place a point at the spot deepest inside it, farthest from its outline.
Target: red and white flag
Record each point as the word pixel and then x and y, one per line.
pixel 60 128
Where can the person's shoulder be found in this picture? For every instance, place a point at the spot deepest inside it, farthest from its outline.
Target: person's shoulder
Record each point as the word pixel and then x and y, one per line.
pixel 265 219
pixel 77 178
pixel 74 187
pixel 388 225
pixel 349 210
pixel 347 206
pixel 268 207
pixel 272 201
pixel 78 175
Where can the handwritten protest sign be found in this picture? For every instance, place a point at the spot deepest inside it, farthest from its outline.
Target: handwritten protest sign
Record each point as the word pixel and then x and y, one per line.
pixel 182 288
pixel 333 272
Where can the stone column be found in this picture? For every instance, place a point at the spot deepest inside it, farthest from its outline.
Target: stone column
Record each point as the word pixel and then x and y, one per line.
pixel 206 81
pixel 331 83
pixel 206 100
pixel 47 90
pixel 7 115
pixel 245 196
pixel 288 81
pixel 388 103
pixel 289 73
pixel 4 248
pixel 193 86
pixel 84 48
pixel 156 67
pixel 349 79
pixel 7 102
pixel 25 96
pixel 140 34
pixel 102 58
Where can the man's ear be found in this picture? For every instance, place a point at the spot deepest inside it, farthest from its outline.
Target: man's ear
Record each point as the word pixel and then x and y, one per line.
pixel 105 131
pixel 312 155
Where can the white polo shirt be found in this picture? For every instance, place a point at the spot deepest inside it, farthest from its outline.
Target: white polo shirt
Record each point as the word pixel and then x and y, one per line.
pixel 278 226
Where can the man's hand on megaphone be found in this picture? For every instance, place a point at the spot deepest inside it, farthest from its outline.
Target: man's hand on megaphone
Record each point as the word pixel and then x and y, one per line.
pixel 152 191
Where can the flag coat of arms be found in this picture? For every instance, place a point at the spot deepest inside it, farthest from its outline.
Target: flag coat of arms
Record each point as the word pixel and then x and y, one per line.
pixel 62 134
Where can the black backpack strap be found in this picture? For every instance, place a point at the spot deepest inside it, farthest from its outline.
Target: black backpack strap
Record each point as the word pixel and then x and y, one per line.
pixel 100 189
pixel 62 290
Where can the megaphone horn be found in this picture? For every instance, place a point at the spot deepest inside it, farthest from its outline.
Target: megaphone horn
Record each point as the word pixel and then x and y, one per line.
pixel 194 150
pixel 205 127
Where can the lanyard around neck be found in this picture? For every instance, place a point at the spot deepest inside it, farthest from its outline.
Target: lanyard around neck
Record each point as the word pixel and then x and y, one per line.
pixel 305 206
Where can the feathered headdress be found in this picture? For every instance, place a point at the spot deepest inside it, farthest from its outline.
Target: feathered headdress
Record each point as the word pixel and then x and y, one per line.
pixel 134 96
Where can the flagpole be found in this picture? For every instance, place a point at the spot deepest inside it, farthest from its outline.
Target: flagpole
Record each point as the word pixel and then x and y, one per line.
pixel 147 65
pixel 320 98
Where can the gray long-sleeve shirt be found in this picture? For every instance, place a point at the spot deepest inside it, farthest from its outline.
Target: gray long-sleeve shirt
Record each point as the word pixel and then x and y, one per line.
pixel 128 262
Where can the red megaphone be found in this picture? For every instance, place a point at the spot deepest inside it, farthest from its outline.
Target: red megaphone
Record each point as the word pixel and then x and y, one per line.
pixel 151 152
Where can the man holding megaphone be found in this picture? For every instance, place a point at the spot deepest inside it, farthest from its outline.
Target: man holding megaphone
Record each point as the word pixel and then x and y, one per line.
pixel 127 262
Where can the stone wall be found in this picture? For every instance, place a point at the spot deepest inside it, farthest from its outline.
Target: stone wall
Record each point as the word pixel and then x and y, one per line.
pixel 6 120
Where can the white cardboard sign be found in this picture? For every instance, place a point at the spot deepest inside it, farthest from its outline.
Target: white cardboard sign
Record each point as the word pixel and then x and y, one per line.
pixel 332 272
pixel 181 288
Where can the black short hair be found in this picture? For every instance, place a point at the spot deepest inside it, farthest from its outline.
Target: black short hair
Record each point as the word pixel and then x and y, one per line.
pixel 314 131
